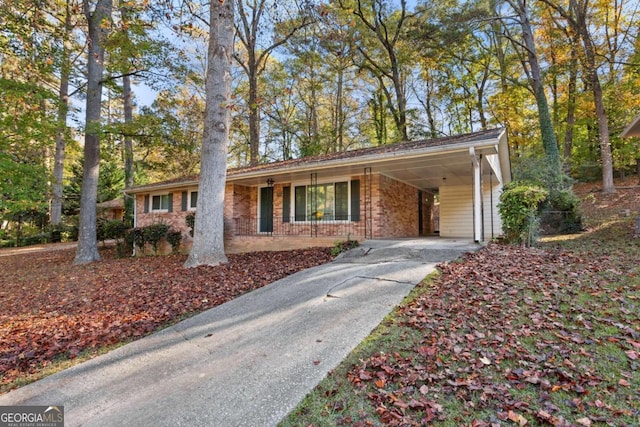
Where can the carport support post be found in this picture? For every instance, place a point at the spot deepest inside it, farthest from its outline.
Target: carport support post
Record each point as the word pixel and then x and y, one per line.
pixel 477 196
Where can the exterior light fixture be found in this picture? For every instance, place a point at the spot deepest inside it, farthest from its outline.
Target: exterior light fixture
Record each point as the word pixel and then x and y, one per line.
pixel 270 182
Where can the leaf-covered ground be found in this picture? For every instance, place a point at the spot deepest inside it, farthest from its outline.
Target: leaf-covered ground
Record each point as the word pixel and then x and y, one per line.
pixel 51 310
pixel 508 336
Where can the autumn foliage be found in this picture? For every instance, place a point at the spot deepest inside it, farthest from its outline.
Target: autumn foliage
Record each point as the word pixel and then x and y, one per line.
pixel 51 310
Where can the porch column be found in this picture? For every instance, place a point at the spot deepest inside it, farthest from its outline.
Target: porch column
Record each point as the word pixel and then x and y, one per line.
pixel 477 196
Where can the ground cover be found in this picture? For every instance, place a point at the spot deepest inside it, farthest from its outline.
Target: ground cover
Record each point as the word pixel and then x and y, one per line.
pixel 53 313
pixel 506 336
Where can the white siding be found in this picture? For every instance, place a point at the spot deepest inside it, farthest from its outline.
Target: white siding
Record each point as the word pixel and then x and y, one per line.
pixel 488 209
pixel 456 211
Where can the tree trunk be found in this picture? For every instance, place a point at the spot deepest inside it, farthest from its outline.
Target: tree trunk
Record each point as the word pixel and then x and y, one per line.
pixel 339 126
pixel 254 112
pixel 128 147
pixel 55 216
pixel 401 101
pixel 549 141
pixel 208 234
pixel 606 157
pixel 571 103
pixel 99 24
pixel 576 16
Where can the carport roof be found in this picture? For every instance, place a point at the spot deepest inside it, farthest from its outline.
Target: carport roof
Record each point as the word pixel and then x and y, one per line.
pixel 425 164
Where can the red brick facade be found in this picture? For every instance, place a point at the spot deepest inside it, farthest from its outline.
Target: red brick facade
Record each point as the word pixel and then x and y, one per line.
pixel 395 209
pixel 393 206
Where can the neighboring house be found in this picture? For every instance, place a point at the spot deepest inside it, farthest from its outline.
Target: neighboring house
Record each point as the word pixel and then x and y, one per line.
pixel 381 192
pixel 633 129
pixel 112 209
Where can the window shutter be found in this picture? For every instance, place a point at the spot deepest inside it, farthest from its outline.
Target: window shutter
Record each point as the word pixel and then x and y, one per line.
pixel 301 203
pixel 286 204
pixel 170 207
pixel 146 203
pixel 355 200
pixel 184 200
pixel 342 201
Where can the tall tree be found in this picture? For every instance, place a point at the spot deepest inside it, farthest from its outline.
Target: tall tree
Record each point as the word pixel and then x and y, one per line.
pixel 534 75
pixel 65 64
pixel 577 16
pixel 250 25
pixel 99 25
pixel 388 27
pixel 208 233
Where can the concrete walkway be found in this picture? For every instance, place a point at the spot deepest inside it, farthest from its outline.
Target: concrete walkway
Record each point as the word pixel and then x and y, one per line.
pixel 250 361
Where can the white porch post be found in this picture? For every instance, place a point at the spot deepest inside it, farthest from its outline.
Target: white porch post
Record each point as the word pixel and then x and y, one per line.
pixel 477 196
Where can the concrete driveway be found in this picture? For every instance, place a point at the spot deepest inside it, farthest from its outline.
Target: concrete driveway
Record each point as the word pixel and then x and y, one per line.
pixel 250 361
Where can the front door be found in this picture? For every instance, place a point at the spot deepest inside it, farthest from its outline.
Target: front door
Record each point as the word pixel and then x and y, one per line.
pixel 266 210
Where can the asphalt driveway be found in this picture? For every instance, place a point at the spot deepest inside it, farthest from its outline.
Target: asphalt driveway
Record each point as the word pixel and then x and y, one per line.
pixel 250 361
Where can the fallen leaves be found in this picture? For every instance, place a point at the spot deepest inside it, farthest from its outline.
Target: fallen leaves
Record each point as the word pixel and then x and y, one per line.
pixel 508 322
pixel 51 309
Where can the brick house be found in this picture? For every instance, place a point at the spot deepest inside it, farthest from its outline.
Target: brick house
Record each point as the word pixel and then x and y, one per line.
pixel 389 191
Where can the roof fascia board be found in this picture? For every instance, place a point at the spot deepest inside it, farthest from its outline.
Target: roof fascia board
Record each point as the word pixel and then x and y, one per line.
pixel 159 187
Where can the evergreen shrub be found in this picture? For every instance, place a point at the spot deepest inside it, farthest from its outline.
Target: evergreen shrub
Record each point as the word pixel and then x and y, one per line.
pixel 518 209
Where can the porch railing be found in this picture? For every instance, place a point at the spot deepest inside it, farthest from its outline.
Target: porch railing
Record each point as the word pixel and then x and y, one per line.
pixel 278 226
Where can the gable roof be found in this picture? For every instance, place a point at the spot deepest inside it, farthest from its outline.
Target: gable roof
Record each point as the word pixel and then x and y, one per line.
pixel 633 129
pixel 352 162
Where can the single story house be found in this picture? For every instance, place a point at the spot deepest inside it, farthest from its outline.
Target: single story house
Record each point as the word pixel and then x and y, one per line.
pixel 380 192
pixel 633 129
pixel 111 209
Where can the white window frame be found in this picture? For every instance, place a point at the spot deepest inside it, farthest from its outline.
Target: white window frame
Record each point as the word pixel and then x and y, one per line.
pixel 189 200
pixel 161 210
pixel 292 208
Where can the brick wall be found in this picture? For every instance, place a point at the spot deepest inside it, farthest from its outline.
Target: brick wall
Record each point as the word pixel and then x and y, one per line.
pixel 175 219
pixel 395 208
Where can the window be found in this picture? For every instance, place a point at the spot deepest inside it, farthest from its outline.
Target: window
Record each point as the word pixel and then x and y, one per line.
pixel 160 202
pixel 193 200
pixel 326 202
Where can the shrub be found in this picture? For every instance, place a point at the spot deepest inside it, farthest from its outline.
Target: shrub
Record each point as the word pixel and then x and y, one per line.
pixel 35 239
pixel 124 248
pixel 153 234
pixel 518 208
pixel 561 213
pixel 111 229
pixel 190 220
pixel 343 246
pixel 136 236
pixel 174 237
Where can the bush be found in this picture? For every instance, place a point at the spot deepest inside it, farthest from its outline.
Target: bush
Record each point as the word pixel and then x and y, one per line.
pixel 561 213
pixel 153 234
pixel 35 239
pixel 55 233
pixel 124 248
pixel 190 220
pixel 111 229
pixel 174 237
pixel 518 208
pixel 343 246
pixel 136 237
pixel 62 232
